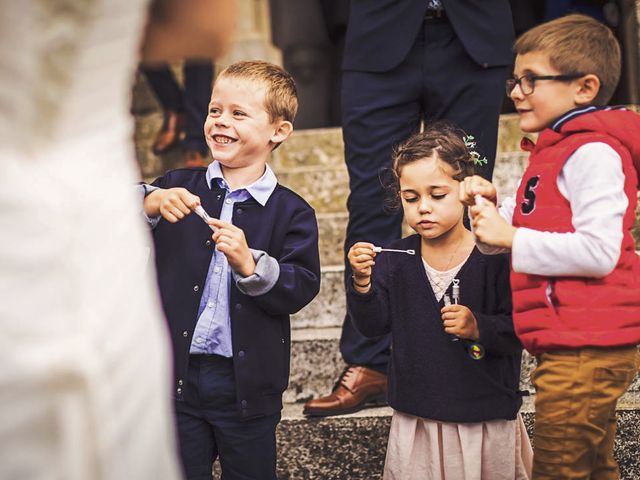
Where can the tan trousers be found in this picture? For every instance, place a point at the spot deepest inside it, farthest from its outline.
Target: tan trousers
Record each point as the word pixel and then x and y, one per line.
pixel 576 396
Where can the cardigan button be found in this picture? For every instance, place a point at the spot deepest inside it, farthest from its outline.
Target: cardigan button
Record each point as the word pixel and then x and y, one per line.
pixel 243 403
pixel 179 391
pixel 239 211
pixel 208 243
pixel 238 306
pixel 180 382
pixel 185 334
pixel 241 353
pixel 196 288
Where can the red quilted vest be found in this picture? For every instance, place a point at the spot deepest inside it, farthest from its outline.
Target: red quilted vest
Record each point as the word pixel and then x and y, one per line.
pixel 554 313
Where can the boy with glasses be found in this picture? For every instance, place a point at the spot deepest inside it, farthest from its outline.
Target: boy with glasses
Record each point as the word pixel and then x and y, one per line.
pixel 575 275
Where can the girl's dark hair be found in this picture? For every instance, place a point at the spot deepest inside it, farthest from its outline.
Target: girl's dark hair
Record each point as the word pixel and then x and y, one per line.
pixel 441 138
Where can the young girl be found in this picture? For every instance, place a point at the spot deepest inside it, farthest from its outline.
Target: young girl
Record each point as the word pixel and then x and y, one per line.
pixel 455 369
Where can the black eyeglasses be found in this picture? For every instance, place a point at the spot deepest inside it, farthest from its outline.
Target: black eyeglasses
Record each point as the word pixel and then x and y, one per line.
pixel 527 83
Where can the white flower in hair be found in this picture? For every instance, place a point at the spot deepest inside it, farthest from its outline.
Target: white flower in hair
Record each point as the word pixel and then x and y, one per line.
pixel 469 141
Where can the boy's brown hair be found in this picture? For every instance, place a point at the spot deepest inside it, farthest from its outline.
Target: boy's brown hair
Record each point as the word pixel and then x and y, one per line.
pixel 577 44
pixel 281 96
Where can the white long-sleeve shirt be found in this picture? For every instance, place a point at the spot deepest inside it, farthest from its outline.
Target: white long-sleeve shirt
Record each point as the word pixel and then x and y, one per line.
pixel 592 181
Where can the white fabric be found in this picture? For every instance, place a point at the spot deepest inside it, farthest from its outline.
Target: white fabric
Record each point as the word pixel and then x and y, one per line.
pixel 593 182
pixel 440 280
pixel 84 370
pixel 422 449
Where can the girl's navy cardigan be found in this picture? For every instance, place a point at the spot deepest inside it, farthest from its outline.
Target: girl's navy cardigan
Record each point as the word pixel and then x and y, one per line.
pixel 429 375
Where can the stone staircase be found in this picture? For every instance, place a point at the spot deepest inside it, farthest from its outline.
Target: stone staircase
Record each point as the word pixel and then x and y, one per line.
pixel 350 446
pixel 353 446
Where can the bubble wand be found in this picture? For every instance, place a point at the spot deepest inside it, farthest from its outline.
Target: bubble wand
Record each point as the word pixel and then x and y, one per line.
pixel 201 212
pixel 380 249
pixel 474 349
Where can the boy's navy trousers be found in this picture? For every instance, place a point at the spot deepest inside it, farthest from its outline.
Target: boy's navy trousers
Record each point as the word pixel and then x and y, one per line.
pixel 209 426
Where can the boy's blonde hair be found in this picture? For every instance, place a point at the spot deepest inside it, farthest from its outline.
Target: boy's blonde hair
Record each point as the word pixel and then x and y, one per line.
pixel 577 44
pixel 281 96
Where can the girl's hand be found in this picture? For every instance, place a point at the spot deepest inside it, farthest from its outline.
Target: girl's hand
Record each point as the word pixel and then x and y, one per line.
pixel 458 320
pixel 230 240
pixel 172 203
pixel 490 228
pixel 476 185
pixel 361 257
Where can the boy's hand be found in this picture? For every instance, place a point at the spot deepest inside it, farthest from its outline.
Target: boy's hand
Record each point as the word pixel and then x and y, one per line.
pixel 490 228
pixel 230 240
pixel 458 320
pixel 172 203
pixel 361 257
pixel 476 185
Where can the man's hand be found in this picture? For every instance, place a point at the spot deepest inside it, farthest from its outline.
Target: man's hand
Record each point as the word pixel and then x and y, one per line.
pixel 458 320
pixel 490 228
pixel 230 240
pixel 361 257
pixel 476 185
pixel 172 203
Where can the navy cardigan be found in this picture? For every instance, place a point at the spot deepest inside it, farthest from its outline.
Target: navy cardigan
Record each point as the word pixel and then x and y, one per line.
pixel 287 230
pixel 429 375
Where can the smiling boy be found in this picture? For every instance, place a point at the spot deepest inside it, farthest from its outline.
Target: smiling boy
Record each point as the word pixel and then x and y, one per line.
pixel 228 296
pixel 575 275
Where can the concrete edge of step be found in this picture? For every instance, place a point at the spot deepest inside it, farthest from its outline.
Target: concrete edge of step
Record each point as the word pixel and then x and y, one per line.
pixel 315 333
pixel 292 412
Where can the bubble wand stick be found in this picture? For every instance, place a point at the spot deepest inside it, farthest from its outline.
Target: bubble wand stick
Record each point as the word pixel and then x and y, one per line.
pixel 201 212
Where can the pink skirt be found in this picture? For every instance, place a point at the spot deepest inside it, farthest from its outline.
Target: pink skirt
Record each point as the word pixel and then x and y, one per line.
pixel 427 450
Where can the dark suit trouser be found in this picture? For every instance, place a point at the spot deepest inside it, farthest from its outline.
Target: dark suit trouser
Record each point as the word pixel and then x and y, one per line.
pixel 193 99
pixel 437 80
pixel 209 426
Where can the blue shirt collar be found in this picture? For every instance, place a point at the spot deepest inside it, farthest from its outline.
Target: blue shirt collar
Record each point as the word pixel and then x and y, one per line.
pixel 260 190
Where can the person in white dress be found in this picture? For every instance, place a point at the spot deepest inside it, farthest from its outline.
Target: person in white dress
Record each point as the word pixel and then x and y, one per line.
pixel 84 368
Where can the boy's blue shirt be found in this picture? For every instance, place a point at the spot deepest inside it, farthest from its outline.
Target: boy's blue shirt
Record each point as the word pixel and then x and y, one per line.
pixel 285 228
pixel 212 334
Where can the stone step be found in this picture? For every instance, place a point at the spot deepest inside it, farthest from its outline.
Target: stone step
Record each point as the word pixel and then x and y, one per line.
pixel 326 187
pixel 320 175
pixel 332 228
pixel 323 147
pixel 329 306
pixel 316 364
pixel 354 446
pixel 311 163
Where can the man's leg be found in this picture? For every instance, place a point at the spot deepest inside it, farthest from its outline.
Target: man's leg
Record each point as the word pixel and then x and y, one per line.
pixel 576 395
pixel 379 110
pixel 459 90
pixel 169 94
pixel 198 76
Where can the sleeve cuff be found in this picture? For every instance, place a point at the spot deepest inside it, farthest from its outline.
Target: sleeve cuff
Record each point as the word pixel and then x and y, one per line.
pixel 263 278
pixel 144 190
pixel 147 189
